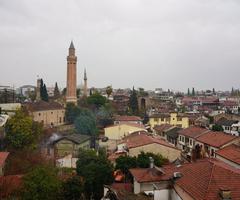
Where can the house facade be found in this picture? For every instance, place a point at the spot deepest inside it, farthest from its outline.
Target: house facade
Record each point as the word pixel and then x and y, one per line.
pixel 141 142
pixel 119 131
pixel 174 119
pixel 48 113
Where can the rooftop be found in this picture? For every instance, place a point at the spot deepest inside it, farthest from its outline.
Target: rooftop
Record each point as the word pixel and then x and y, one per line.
pixel 76 138
pixel 216 139
pixel 193 131
pixel 43 105
pixel 127 118
pixel 202 180
pixel 162 127
pixel 3 157
pixel 231 152
pixel 140 138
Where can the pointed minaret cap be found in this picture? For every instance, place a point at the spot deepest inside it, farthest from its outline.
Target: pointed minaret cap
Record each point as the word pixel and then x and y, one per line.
pixel 71 45
pixel 85 74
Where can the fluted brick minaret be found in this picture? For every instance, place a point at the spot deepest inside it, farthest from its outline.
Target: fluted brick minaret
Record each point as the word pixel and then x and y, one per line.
pixel 71 76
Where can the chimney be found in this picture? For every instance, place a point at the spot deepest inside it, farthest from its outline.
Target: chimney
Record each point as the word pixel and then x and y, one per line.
pixel 225 194
pixel 151 162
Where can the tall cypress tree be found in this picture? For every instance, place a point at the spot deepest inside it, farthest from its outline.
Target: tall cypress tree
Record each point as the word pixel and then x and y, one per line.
pixel 188 92
pixel 193 91
pixel 133 102
pixel 56 91
pixel 45 93
pixel 41 89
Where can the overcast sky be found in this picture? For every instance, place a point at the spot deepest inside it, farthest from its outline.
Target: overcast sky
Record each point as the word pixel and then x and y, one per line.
pixel 143 43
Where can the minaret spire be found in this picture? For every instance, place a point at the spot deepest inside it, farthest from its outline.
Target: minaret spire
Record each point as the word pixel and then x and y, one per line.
pixel 85 74
pixel 85 83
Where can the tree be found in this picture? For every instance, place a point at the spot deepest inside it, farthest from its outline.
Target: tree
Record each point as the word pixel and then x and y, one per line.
pixel 72 112
pixel 72 188
pixel 41 88
pixel 41 183
pixel 133 102
pixel 21 130
pixel 124 163
pixel 193 91
pixel 96 171
pixel 64 91
pixel 97 100
pixel 217 127
pixel 213 91
pixel 142 92
pixel 45 93
pixel 85 123
pixel 104 115
pixel 56 91
pixel 109 90
pixel 143 159
pixel 188 92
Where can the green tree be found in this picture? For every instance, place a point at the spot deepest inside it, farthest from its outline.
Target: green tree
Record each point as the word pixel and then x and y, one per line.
pixel 109 90
pixel 22 131
pixel 96 171
pixel 217 127
pixel 72 112
pixel 64 91
pixel 193 91
pixel 133 102
pixel 45 93
pixel 96 99
pixel 56 91
pixel 142 92
pixel 41 183
pixel 188 92
pixel 143 159
pixel 85 123
pixel 104 115
pixel 124 163
pixel 72 188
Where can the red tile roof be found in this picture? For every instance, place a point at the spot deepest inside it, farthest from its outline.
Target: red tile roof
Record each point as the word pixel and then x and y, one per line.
pixel 129 124
pixel 127 118
pixel 43 105
pixel 154 174
pixel 193 131
pixel 9 185
pixel 140 138
pixel 162 127
pixel 231 152
pixel 216 139
pixel 3 157
pixel 202 180
pixel 122 186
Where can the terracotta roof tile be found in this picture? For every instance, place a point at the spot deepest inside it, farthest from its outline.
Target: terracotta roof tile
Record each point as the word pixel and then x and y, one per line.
pixel 43 105
pixel 231 152
pixel 202 180
pixel 162 127
pixel 3 157
pixel 127 118
pixel 141 138
pixel 193 131
pixel 9 184
pixel 216 139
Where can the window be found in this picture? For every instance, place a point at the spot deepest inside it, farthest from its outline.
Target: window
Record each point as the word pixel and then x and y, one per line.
pixel 212 152
pixel 39 114
pixel 162 119
pixel 155 119
pixel 51 112
pixel 190 142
